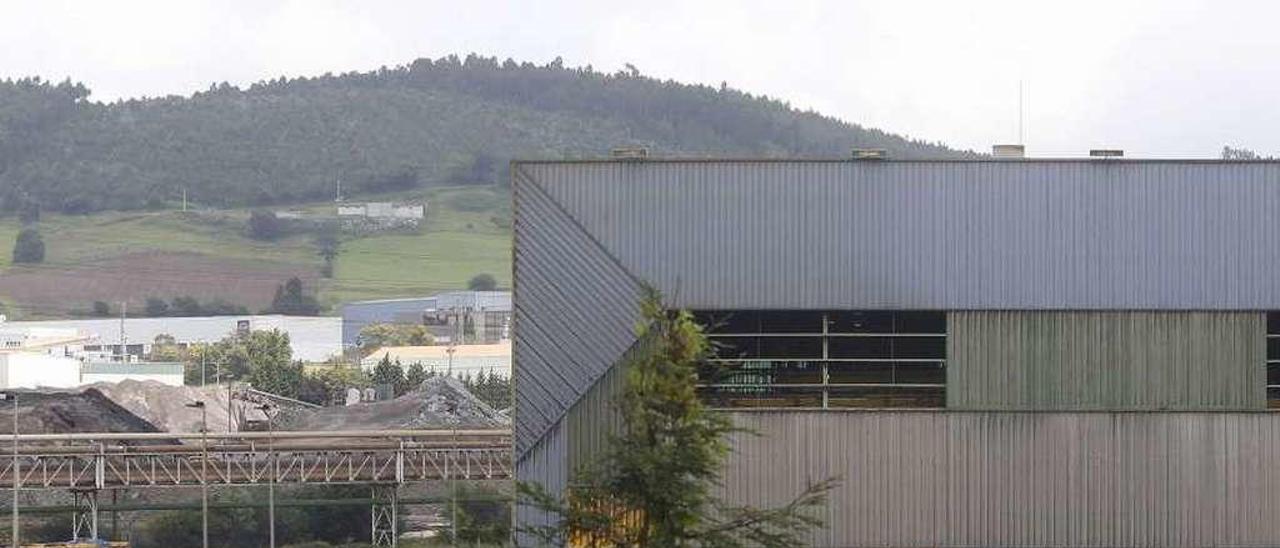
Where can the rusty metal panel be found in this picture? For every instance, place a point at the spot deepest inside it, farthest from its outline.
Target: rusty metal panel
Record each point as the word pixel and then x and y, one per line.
pixel 1106 360
pixel 950 478
pixel 1112 235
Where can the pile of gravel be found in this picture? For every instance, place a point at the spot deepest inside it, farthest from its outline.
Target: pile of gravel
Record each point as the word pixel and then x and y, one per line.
pixel 440 402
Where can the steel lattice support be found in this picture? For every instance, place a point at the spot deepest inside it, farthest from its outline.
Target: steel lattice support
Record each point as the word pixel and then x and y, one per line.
pixel 84 521
pixel 383 514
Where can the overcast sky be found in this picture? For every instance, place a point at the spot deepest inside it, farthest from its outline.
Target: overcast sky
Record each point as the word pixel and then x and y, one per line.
pixel 1176 78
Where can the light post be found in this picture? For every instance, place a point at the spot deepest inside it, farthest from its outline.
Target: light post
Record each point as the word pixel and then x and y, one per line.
pixel 271 481
pixel 204 469
pixel 17 473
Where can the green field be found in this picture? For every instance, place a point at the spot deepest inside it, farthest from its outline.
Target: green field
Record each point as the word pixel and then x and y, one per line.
pixel 130 256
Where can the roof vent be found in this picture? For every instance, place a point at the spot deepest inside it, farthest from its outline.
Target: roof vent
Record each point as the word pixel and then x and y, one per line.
pixel 1009 151
pixel 870 154
pixel 1106 153
pixel 629 153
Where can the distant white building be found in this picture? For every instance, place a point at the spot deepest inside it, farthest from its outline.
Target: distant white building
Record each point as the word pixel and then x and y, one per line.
pixel 33 369
pixel 384 211
pixel 312 339
pixel 463 359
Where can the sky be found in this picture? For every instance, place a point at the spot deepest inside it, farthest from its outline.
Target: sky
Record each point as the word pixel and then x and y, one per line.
pixel 1177 78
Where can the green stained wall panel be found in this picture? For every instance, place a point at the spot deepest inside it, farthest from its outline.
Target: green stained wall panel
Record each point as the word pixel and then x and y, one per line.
pixel 1062 360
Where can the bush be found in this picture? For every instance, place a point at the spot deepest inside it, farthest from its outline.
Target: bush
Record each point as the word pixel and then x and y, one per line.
pixel 156 307
pixel 264 225
pixel 291 300
pixel 101 308
pixel 29 248
pixel 482 282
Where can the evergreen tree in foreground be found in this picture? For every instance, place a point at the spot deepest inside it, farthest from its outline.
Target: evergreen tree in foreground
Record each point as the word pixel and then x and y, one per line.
pixel 653 485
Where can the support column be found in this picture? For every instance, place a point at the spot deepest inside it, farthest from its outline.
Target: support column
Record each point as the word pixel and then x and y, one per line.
pixel 385 499
pixel 84 520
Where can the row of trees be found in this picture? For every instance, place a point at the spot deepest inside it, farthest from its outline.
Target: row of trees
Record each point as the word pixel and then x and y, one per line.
pixel 487 386
pixel 456 120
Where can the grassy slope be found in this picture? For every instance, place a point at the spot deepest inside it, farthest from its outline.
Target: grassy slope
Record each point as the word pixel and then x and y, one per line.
pixel 454 246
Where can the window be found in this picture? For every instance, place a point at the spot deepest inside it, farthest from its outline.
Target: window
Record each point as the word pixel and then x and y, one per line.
pixel 1273 359
pixel 832 359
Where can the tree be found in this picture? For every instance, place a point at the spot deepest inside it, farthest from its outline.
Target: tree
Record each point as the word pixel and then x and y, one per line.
pixel 389 374
pixel 286 379
pixel 328 246
pixel 291 300
pixel 156 307
pixel 29 248
pixel 653 486
pixel 380 335
pixel 186 306
pixel 264 225
pixel 1232 153
pixel 415 375
pixel 101 308
pixel 236 356
pixel 164 348
pixel 482 282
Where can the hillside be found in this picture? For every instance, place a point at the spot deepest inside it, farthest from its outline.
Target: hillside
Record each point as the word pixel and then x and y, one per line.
pixel 447 121
pixel 107 181
pixel 206 255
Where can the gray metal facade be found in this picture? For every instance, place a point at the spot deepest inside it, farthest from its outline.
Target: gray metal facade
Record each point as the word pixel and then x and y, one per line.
pixel 1110 235
pixel 1106 360
pixel 1020 478
pixel 966 237
pixel 358 315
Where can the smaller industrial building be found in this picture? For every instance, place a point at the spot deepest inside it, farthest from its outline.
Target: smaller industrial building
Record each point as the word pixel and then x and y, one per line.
pixel 468 317
pixel 460 360
pixel 53 357
pixel 312 339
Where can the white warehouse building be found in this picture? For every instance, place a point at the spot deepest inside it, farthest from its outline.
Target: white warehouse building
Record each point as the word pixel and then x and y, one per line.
pixel 312 339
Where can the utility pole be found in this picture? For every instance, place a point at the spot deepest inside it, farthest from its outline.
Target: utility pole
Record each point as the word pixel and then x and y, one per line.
pixel 184 200
pixel 124 311
pixel 17 473
pixel 204 469
pixel 271 468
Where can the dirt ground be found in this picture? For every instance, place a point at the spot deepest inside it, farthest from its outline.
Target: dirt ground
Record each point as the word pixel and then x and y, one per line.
pixel 43 290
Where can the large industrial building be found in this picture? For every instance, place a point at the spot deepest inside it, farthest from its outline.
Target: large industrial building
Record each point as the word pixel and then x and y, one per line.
pixel 988 353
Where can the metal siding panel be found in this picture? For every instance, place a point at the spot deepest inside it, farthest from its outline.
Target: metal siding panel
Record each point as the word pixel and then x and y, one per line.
pixel 935 235
pixel 1106 360
pixel 1018 478
pixel 544 463
pixel 574 313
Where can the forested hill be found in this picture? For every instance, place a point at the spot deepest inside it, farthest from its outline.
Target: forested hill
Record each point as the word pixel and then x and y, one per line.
pixel 444 121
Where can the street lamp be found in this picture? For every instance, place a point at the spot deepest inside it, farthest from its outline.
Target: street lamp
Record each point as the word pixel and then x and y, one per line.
pixel 271 482
pixel 17 473
pixel 204 468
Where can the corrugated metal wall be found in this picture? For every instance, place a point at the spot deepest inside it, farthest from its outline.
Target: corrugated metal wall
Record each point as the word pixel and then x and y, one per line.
pixel 574 315
pixel 1106 360
pixel 936 235
pixel 594 418
pixel 544 463
pixel 1021 479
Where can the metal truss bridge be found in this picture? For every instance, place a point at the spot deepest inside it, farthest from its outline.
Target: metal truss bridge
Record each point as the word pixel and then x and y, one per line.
pixel 88 463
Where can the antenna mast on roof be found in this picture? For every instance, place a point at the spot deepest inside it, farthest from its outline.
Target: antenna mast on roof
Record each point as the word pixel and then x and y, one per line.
pixel 1021 141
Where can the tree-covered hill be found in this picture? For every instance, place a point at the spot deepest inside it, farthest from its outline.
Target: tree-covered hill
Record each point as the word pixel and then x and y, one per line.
pixel 430 122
